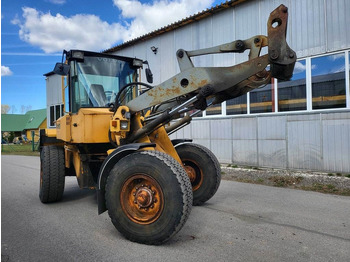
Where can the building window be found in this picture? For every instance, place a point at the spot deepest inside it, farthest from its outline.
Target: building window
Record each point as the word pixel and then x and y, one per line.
pixel 328 81
pixel 52 116
pixel 292 94
pixel 56 111
pixel 237 105
pixel 214 109
pixel 261 99
pixel 317 83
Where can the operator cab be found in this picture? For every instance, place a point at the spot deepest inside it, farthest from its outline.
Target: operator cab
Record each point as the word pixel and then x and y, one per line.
pixel 94 79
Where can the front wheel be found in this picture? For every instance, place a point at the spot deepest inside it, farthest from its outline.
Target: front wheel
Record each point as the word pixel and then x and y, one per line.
pixel 203 169
pixel 148 197
pixel 52 174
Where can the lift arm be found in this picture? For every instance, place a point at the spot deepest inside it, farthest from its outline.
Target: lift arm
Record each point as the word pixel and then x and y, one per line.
pixel 194 87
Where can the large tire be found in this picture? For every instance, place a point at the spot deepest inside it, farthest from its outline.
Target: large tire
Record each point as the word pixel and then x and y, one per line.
pixel 203 169
pixel 52 174
pixel 148 197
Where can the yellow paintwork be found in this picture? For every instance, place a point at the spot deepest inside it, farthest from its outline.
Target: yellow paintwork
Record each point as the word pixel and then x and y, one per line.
pixel 50 132
pixel 115 124
pixel 117 133
pixel 163 143
pixel 89 125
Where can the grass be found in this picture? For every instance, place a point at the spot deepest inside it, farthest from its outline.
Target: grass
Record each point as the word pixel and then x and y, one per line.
pixel 328 189
pixel 23 149
pixel 284 181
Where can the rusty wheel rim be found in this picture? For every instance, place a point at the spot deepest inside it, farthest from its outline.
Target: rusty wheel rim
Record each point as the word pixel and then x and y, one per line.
pixel 142 199
pixel 194 172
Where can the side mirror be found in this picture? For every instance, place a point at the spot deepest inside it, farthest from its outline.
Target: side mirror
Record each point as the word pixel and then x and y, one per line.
pixel 61 69
pixel 149 75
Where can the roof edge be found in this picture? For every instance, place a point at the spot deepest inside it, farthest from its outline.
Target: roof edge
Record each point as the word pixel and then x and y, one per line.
pixel 188 20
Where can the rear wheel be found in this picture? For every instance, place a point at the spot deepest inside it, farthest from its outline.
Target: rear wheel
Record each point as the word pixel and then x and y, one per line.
pixel 203 169
pixel 52 174
pixel 148 197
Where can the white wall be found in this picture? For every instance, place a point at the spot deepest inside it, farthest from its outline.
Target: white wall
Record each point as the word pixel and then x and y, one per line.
pixel 310 141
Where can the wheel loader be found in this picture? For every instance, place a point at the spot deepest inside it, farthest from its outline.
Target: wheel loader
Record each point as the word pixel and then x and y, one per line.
pixel 115 136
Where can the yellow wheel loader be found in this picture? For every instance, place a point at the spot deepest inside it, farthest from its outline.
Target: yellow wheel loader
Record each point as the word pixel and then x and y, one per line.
pixel 115 136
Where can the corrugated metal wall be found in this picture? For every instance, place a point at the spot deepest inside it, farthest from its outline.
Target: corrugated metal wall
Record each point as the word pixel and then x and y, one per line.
pixel 317 141
pixel 314 27
pixel 311 141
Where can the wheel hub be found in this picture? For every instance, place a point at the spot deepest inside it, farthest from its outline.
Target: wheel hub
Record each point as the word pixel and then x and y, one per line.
pixel 194 172
pixel 142 199
pixel 191 173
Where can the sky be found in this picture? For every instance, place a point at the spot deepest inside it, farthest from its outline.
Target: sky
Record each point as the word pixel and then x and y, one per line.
pixel 34 33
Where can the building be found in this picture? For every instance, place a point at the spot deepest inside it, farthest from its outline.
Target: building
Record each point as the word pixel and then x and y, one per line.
pixel 36 121
pixel 300 124
pixel 33 120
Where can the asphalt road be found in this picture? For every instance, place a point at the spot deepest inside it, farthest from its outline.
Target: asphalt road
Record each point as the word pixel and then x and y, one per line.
pixel 242 222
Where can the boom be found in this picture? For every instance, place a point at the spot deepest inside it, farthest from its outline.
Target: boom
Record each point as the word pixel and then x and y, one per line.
pixel 193 87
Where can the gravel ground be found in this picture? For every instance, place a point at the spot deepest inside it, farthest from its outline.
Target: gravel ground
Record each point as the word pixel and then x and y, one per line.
pixel 335 183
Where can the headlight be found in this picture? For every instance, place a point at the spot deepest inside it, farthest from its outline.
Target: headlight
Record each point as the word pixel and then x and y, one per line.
pixel 124 125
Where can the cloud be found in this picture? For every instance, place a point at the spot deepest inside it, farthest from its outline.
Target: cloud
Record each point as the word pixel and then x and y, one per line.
pixel 147 17
pixel 5 71
pixel 299 67
pixel 53 33
pixel 336 57
pixel 57 2
pixel 338 69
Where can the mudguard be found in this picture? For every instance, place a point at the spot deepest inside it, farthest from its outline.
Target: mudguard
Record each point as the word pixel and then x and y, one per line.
pixel 107 166
pixel 180 141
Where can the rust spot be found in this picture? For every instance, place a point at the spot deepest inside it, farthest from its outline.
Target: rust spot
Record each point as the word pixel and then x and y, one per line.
pixel 203 82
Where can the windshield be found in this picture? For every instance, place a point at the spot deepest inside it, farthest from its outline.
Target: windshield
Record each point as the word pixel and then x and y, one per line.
pixel 96 81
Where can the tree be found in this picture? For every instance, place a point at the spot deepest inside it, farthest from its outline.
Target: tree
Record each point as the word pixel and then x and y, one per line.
pixel 5 109
pixel 13 109
pixel 25 109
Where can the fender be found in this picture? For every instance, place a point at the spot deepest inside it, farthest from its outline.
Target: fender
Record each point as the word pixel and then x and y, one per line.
pixel 107 166
pixel 180 141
